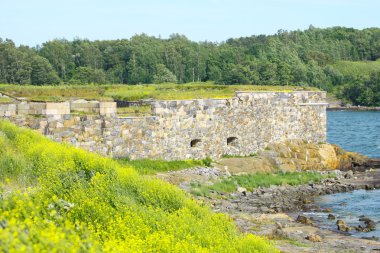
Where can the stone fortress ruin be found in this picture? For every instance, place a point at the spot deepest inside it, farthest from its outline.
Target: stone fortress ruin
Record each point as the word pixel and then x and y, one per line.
pixel 180 129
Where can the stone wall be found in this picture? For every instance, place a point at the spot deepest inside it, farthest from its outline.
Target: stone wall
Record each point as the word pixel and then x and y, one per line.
pixel 185 129
pixel 8 110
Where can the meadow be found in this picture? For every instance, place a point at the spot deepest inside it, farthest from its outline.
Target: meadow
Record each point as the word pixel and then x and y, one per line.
pixel 57 198
pixel 165 91
pixel 357 68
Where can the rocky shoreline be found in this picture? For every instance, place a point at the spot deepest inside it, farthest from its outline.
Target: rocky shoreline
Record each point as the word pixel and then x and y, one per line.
pixel 270 211
pixel 287 198
pixel 265 211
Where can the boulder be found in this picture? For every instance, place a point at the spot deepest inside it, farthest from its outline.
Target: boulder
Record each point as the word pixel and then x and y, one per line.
pixel 314 238
pixel 342 226
pixel 307 201
pixel 304 220
pixel 349 174
pixel 242 190
pixel 331 217
pixel 370 225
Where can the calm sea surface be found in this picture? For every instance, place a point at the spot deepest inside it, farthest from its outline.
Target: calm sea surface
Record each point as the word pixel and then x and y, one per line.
pixel 359 132
pixel 355 131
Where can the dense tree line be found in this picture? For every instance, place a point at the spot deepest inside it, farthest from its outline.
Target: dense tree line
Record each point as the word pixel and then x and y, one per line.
pixel 296 57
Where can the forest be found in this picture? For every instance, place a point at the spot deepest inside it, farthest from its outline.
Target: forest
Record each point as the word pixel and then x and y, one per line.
pixel 343 61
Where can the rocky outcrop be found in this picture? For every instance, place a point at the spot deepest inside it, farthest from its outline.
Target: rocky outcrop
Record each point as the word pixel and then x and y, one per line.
pixel 296 155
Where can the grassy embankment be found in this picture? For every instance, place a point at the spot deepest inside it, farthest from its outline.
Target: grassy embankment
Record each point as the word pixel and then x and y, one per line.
pixel 56 198
pixel 224 185
pixel 252 181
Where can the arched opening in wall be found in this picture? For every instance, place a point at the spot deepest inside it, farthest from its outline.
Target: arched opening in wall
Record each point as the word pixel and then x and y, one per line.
pixel 195 143
pixel 232 141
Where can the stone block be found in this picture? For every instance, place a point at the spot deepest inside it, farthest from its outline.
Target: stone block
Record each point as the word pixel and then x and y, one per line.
pixel 56 108
pixel 107 108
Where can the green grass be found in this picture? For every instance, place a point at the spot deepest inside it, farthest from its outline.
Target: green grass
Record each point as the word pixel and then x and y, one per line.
pixel 185 91
pixel 253 181
pixel 238 156
pixel 5 100
pixel 136 92
pixel 135 111
pixel 146 166
pixel 55 93
pixel 57 198
pixel 357 68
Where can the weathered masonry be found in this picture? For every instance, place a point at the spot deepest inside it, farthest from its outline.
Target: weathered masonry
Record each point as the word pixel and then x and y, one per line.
pixel 181 129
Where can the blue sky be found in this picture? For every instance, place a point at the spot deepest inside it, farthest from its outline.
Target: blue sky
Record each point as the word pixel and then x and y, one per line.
pixel 33 22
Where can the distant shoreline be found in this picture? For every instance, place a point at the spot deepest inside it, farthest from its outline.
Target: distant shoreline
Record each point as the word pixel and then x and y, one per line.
pixel 353 108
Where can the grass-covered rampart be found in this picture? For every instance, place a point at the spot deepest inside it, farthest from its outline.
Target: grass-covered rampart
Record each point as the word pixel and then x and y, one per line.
pixel 165 91
pixel 5 100
pixel 56 198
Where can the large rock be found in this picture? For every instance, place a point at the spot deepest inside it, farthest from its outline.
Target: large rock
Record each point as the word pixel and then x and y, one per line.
pixel 370 225
pixel 342 226
pixel 292 156
pixel 331 217
pixel 245 165
pixel 314 238
pixel 329 158
pixel 304 220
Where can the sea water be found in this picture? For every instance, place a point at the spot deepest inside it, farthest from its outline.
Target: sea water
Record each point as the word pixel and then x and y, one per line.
pixel 350 207
pixel 357 131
